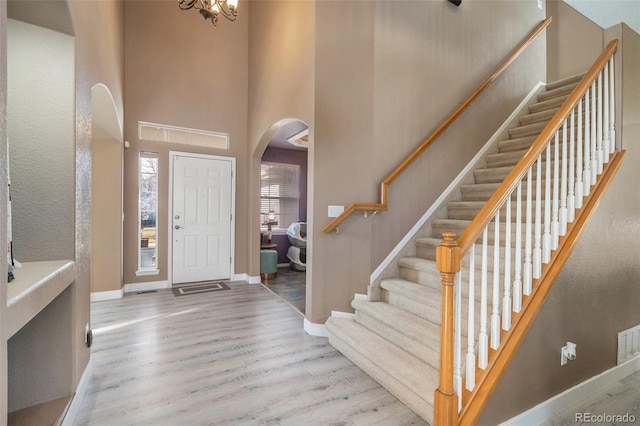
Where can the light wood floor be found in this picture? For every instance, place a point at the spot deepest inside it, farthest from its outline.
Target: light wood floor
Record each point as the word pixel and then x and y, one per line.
pixel 233 357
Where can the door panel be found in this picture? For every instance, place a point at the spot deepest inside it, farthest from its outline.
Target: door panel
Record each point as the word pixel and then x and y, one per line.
pixel 202 193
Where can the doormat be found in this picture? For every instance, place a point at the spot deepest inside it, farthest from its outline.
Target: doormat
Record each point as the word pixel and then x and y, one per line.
pixel 199 288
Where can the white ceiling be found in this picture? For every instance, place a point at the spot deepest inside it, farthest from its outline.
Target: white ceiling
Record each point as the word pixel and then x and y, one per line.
pixel 606 13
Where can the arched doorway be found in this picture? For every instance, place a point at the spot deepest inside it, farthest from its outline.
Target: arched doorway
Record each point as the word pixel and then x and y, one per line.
pixel 106 196
pixel 281 163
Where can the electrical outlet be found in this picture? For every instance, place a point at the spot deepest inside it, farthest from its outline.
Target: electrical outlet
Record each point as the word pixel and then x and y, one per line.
pixel 567 353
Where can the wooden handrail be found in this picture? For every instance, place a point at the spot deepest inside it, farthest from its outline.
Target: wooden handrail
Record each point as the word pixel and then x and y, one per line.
pixel 497 200
pixel 522 321
pixel 384 185
pixel 475 401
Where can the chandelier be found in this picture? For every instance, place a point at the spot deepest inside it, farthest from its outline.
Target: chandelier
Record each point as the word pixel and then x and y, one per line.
pixel 210 9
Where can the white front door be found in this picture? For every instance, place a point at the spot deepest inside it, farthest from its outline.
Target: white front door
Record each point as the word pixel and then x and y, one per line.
pixel 201 219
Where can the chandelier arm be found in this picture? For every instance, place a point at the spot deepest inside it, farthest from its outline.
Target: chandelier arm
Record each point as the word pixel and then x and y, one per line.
pixel 206 10
pixel 187 4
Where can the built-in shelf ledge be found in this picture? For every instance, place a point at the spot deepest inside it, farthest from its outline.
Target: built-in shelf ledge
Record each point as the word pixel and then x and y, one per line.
pixel 36 284
pixel 48 413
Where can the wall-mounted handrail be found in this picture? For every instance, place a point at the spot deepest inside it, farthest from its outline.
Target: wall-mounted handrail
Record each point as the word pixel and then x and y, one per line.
pixel 384 185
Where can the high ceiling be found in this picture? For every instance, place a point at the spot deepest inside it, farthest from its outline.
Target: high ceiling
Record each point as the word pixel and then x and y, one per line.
pixel 606 13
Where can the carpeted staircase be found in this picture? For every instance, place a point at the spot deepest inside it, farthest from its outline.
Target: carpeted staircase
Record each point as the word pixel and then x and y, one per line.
pixel 397 340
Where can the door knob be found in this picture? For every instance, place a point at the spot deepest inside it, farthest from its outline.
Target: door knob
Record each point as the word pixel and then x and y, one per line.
pixel 178 227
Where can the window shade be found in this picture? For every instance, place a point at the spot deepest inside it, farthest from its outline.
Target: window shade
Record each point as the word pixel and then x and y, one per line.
pixel 279 191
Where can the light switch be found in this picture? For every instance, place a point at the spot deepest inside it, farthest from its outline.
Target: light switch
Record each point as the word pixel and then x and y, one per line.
pixel 335 211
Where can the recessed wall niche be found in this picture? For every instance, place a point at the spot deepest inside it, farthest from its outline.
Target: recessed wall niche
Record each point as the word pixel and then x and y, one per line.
pixel 41 134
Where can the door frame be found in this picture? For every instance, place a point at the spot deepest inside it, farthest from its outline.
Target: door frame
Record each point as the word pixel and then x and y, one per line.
pixel 232 160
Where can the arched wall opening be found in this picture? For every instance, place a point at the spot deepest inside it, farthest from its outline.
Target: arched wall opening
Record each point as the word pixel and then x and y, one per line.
pixel 107 153
pixel 285 142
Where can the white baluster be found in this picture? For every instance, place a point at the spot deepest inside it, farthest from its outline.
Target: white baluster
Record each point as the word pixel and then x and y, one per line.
pixel 470 361
pixel 612 107
pixel 594 136
pixel 563 181
pixel 506 301
pixel 555 218
pixel 528 268
pixel 599 126
pixel 457 342
pixel 587 147
pixel 580 141
pixel 517 281
pixel 571 198
pixel 537 245
pixel 606 145
pixel 483 338
pixel 495 312
pixel 546 237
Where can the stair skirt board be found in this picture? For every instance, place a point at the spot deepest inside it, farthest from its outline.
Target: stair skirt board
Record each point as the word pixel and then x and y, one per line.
pixel 467 171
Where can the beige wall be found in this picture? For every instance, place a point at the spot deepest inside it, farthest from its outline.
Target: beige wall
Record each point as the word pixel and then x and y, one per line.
pixel 281 86
pixel 97 27
pixel 573 41
pixel 4 374
pixel 387 74
pixel 182 71
pixel 597 294
pixel 106 215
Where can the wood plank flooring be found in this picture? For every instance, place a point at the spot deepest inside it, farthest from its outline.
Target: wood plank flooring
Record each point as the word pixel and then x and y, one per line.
pixel 289 285
pixel 232 357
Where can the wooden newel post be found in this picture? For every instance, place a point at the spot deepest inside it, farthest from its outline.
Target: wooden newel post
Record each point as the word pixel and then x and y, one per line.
pixel 445 403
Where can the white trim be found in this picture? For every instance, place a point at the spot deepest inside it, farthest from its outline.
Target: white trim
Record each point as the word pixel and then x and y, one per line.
pixel 345 315
pixel 147 286
pixel 99 296
pixel 172 155
pixel 76 401
pixel 182 135
pixel 559 403
pixel 447 192
pixel 246 277
pixel 147 272
pixel 314 329
pixel 360 297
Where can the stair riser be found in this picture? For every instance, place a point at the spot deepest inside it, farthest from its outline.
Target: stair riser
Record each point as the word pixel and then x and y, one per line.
pixel 416 347
pixel 409 397
pixel 427 312
pixel 556 92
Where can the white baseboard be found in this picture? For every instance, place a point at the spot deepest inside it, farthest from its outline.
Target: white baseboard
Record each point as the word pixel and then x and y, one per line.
pixel 248 278
pixel 99 296
pixel 76 401
pixel 550 408
pixel 148 286
pixel 313 329
pixel 360 297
